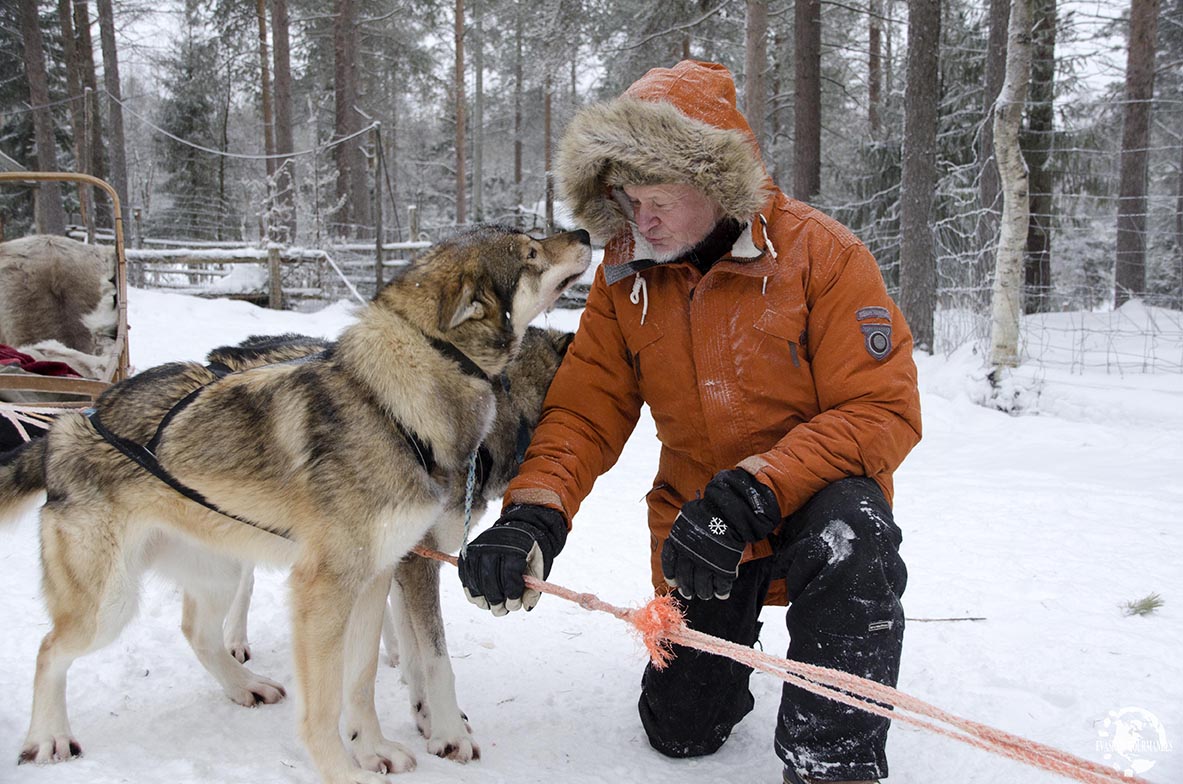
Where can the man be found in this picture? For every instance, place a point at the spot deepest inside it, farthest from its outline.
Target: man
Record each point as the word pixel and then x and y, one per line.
pixel 780 377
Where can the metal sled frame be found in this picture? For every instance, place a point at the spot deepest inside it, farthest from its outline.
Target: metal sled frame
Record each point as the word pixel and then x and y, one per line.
pixel 86 389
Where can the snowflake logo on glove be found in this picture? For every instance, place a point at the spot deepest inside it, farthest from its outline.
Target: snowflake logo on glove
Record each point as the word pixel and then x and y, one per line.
pixel 717 526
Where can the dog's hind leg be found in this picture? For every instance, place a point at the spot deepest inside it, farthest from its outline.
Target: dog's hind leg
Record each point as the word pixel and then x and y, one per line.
pixel 434 696
pixel 234 630
pixel 371 749
pixel 92 590
pixel 209 582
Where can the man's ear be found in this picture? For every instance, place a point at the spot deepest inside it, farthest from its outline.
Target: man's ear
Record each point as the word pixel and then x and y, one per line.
pixel 459 304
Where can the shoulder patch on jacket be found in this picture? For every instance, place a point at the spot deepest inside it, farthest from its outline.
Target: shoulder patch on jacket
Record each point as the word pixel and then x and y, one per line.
pixel 862 314
pixel 877 339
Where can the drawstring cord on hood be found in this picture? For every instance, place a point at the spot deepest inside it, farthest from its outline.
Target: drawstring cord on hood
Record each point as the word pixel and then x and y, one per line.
pixel 640 292
pixel 771 249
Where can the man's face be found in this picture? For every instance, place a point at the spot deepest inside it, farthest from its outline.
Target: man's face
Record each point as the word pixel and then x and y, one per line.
pixel 673 218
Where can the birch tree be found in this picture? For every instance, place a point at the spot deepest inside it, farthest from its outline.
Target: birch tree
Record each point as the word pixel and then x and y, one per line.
pixel 1006 301
pixel 988 185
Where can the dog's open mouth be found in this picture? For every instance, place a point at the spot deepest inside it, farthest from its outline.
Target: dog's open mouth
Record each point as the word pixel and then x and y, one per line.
pixel 566 282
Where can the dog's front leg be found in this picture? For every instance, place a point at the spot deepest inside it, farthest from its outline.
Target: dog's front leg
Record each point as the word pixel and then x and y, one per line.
pixel 322 598
pixel 234 630
pixel 371 749
pixel 448 733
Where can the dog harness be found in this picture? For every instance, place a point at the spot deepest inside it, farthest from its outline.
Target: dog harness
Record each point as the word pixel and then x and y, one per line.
pixel 144 455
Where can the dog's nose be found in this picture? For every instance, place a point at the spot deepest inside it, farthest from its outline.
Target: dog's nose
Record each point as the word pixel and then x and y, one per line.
pixel 582 236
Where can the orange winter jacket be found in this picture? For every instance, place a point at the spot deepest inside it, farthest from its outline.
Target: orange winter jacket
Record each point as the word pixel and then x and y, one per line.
pixel 787 358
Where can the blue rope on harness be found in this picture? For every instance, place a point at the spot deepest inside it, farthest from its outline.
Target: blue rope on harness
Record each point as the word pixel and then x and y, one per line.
pixel 469 488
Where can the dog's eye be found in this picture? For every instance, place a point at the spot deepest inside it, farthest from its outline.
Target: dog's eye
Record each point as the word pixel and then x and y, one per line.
pixel 533 254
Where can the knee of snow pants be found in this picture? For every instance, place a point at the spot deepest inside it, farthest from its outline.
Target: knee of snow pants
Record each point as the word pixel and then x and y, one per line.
pixel 689 708
pixel 840 558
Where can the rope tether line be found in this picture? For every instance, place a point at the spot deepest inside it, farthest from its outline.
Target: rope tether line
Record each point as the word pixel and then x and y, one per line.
pixel 660 625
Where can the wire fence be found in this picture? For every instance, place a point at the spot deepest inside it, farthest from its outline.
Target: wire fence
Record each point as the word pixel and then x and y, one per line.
pixel 1071 321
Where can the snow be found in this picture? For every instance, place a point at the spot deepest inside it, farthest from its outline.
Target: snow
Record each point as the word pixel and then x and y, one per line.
pixel 1043 524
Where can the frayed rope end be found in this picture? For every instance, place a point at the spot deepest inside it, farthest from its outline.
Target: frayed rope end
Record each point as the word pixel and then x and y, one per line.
pixel 656 621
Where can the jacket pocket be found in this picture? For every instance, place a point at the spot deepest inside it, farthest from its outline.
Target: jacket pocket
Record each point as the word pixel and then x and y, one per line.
pixel 789 329
pixel 644 348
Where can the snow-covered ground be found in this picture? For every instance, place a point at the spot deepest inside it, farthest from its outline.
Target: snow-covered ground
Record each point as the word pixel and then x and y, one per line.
pixel 1042 525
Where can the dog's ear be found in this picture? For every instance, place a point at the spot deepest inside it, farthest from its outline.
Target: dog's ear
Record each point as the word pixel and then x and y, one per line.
pixel 458 304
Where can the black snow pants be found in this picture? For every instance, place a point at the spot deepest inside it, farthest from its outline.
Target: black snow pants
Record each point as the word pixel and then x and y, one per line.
pixel 840 557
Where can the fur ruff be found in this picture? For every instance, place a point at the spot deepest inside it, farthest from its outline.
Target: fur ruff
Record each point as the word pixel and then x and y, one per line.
pixel 630 141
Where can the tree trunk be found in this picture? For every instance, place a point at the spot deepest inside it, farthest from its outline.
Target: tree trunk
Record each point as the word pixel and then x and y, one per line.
pixel 548 93
pixel 77 113
pixel 755 64
pixel 96 144
pixel 478 115
pixel 352 189
pixel 807 100
pixel 1037 150
pixel 285 175
pixel 517 113
pixel 118 155
pixel 265 87
pixel 1006 301
pixel 458 37
pixel 268 129
pixel 51 216
pixel 988 185
pixel 918 270
pixel 1130 273
pixel 874 66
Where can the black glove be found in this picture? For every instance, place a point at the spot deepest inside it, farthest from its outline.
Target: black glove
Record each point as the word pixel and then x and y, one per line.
pixel 524 540
pixel 701 556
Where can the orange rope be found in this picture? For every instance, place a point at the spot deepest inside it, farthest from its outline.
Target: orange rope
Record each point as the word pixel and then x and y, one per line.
pixel 660 625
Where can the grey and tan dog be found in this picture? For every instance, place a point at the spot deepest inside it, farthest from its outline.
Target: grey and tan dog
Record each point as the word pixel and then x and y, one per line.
pixel 336 464
pixel 520 393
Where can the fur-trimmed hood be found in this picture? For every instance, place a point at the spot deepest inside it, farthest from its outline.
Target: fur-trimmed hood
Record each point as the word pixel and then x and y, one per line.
pixel 673 125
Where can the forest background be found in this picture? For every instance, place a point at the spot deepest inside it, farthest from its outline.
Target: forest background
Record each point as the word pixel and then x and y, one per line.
pixel 314 124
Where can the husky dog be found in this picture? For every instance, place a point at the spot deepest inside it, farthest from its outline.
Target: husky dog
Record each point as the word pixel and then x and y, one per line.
pixel 336 464
pixel 520 393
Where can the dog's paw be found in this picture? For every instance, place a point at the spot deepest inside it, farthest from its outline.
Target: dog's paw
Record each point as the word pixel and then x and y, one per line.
pixel 387 757
pixel 58 748
pixel 460 749
pixel 258 690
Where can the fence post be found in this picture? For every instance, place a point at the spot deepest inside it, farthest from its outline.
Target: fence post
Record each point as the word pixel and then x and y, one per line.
pixel 413 211
pixel 276 284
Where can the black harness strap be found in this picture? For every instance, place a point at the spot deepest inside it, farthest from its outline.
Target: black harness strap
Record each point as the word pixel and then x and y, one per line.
pixel 450 351
pixel 146 459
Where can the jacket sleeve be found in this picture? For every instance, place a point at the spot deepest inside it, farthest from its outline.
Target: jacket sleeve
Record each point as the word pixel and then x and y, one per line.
pixel 869 416
pixel 590 410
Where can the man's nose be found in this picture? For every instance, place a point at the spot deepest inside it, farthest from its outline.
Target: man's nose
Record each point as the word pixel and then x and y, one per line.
pixel 646 220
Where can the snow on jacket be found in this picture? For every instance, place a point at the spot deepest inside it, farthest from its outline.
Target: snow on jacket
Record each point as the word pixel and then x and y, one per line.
pixel 787 358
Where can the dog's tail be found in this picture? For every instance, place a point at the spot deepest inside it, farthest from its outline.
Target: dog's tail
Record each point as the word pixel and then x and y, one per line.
pixel 22 474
